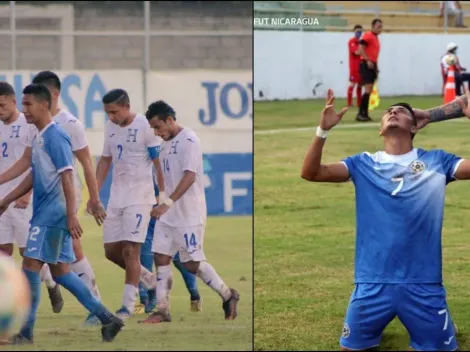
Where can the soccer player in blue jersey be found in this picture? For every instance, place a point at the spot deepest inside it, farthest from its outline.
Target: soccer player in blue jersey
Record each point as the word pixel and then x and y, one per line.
pixel 148 298
pixel 400 194
pixel 54 222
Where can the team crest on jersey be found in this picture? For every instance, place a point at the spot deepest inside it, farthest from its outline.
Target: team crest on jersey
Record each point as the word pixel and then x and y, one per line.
pixel 346 331
pixel 417 167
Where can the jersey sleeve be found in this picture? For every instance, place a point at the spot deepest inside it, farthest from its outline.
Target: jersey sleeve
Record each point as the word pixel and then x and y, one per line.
pixel 28 141
pixel 352 163
pixel 106 148
pixel 450 163
pixel 77 135
pixel 153 143
pixel 59 149
pixel 192 155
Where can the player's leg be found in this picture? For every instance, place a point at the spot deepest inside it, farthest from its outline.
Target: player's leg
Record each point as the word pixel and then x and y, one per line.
pixel 368 77
pixel 424 312
pixel 370 310
pixel 7 233
pixel 190 281
pixel 350 89
pixel 148 298
pixel 359 93
pixel 164 245
pixel 193 257
pixel 135 221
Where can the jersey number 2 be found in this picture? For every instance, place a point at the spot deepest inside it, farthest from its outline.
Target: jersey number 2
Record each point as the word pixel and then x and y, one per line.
pixel 400 181
pixel 5 147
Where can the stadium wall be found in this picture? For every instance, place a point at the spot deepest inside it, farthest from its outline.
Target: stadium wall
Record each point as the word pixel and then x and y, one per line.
pixel 215 104
pixel 303 65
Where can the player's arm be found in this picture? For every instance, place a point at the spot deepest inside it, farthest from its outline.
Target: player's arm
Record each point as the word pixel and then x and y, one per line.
pixel 22 189
pixel 102 169
pixel 18 168
pixel 362 46
pixel 160 180
pixel 453 110
pixel 313 170
pixel 153 147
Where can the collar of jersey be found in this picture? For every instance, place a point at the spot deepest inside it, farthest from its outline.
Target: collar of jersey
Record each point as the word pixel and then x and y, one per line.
pixel 404 159
pixel 46 127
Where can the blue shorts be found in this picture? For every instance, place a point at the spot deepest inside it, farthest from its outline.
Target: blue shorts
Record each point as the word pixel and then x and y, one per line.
pixel 49 245
pixel 422 309
pixel 147 246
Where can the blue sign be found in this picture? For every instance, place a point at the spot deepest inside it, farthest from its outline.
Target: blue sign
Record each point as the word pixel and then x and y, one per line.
pixel 228 181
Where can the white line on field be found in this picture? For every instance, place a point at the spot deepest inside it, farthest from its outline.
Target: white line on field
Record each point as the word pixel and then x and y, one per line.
pixel 345 126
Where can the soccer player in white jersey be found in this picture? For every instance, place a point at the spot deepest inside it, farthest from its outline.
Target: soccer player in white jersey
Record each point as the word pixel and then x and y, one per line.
pixel 182 215
pixel 133 148
pixel 81 151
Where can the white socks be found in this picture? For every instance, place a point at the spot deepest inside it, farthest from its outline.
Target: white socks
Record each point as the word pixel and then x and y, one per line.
pixel 147 278
pixel 208 274
pixel 84 271
pixel 164 283
pixel 46 276
pixel 130 297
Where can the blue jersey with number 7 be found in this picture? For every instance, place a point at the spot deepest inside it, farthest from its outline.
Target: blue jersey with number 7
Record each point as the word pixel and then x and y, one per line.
pixel 399 214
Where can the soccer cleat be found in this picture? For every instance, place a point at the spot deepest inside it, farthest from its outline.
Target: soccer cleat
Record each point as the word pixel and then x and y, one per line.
pixel 162 316
pixel 230 306
pixel 57 302
pixel 196 305
pixel 139 309
pixel 91 320
pixel 19 339
pixel 363 118
pixel 123 313
pixel 110 331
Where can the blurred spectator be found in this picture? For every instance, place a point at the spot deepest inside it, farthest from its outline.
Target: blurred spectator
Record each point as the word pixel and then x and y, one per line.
pixel 460 75
pixel 454 9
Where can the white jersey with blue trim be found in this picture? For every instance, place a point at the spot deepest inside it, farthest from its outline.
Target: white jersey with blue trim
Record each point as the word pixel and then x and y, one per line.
pixel 13 140
pixel 132 180
pixel 51 155
pixel 399 214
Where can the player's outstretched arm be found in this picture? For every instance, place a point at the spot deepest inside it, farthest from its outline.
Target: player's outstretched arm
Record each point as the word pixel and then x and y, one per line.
pixel 22 189
pixel 18 168
pixel 312 169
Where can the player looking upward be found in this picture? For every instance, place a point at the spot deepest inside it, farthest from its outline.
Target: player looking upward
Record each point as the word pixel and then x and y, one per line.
pixel 76 132
pixel 354 66
pixel 54 222
pixel 133 148
pixel 400 195
pixel 182 214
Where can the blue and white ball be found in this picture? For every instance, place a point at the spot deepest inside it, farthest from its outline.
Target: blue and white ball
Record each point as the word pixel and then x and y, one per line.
pixel 15 297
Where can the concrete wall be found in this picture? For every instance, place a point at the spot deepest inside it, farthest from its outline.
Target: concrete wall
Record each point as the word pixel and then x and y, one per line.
pixel 42 52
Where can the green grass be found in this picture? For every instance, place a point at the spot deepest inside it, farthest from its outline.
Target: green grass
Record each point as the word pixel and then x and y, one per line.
pixel 304 232
pixel 228 247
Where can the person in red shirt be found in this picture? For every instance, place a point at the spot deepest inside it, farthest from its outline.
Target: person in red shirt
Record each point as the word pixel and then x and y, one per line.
pixel 354 63
pixel 369 49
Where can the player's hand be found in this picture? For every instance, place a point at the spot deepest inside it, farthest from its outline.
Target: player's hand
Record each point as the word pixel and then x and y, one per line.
pixel 465 106
pixel 74 226
pixel 158 211
pixel 370 64
pixel 23 202
pixel 422 118
pixel 329 117
pixel 96 209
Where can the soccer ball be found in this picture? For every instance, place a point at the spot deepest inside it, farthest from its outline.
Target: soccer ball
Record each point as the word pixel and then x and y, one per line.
pixel 450 59
pixel 15 301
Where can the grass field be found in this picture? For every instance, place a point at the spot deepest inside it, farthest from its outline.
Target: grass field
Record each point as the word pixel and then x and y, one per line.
pixel 228 247
pixel 304 232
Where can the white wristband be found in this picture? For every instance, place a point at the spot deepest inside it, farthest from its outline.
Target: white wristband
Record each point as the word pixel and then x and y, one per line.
pixel 321 133
pixel 168 202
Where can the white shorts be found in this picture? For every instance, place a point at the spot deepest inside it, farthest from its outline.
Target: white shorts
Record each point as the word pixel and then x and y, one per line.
pixel 188 241
pixel 127 224
pixel 14 225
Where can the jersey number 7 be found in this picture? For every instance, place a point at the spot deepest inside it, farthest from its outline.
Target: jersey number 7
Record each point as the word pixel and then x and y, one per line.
pixel 400 181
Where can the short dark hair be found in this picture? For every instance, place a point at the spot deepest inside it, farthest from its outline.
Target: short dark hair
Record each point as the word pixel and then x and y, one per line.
pixel 6 89
pixel 40 92
pixel 160 110
pixel 48 78
pixel 116 96
pixel 376 20
pixel 412 113
pixel 357 26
